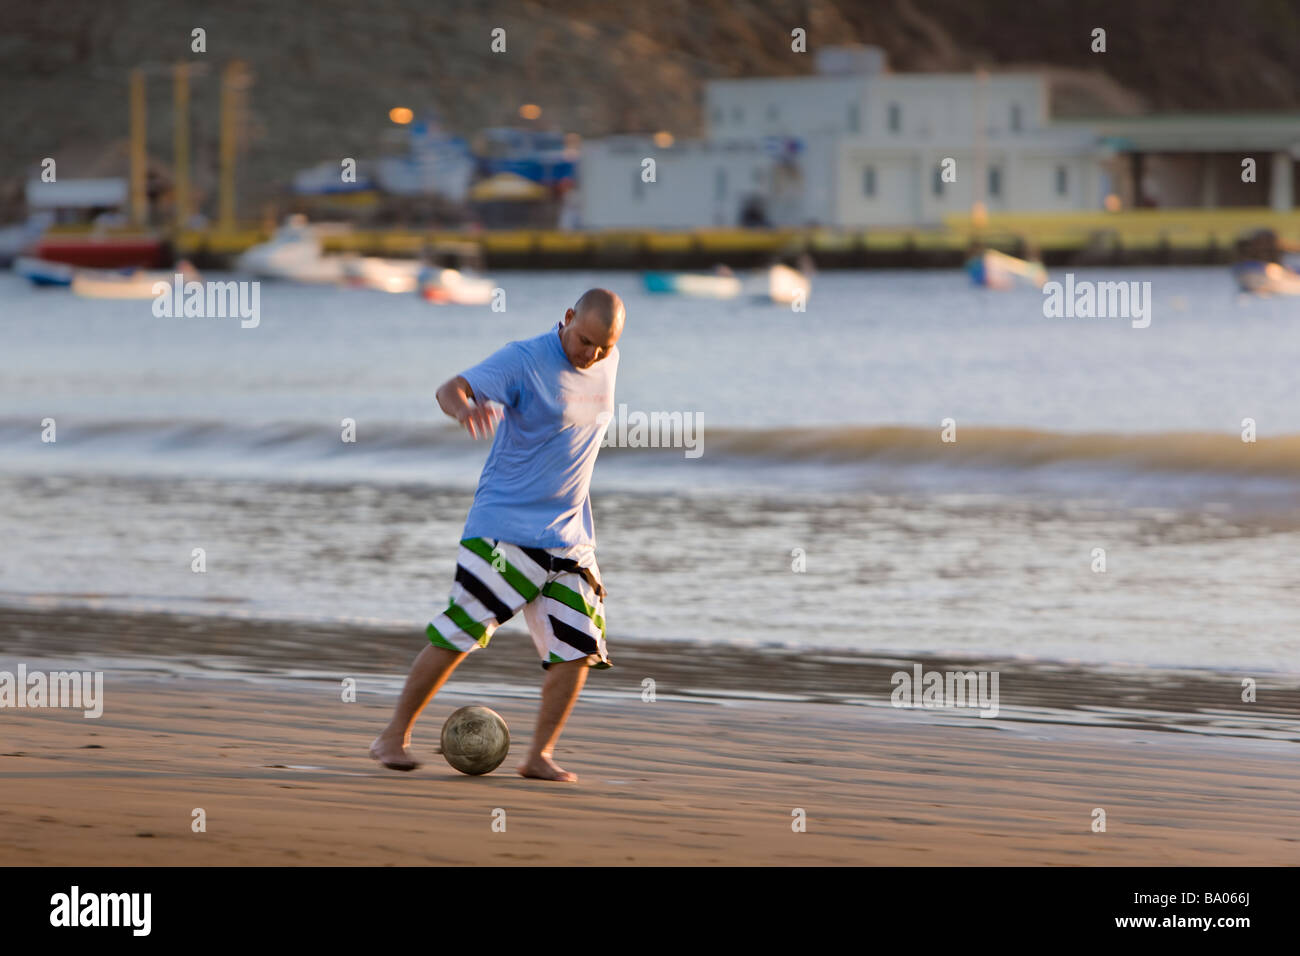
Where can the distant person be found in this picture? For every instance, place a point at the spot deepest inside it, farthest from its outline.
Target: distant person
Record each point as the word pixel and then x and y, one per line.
pixel 529 542
pixel 753 216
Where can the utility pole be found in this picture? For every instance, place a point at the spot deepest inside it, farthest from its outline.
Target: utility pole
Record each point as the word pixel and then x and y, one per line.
pixel 139 157
pixel 979 210
pixel 181 142
pixel 233 82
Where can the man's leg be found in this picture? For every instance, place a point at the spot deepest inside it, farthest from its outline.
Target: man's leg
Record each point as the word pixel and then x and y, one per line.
pixel 429 672
pixel 559 693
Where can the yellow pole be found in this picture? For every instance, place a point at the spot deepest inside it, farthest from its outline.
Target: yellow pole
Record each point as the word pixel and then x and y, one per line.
pixel 139 159
pixel 979 215
pixel 181 142
pixel 229 82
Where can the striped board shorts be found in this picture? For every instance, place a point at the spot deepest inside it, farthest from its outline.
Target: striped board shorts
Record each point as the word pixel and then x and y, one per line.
pixel 558 589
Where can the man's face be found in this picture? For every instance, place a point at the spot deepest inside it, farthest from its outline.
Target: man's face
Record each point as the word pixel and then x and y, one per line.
pixel 585 338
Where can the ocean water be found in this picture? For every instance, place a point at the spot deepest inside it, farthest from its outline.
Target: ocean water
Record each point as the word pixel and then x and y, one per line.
pixel 818 506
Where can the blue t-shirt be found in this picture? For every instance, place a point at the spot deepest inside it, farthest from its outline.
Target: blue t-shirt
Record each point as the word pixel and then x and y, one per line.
pixel 534 489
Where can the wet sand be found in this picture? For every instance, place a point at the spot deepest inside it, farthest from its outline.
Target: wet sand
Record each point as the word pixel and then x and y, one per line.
pixel 279 766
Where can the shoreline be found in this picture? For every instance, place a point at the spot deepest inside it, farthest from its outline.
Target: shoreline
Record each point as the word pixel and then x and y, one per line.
pixel 1198 701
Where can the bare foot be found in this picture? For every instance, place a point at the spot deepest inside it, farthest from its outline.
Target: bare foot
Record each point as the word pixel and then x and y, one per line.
pixel 391 752
pixel 544 768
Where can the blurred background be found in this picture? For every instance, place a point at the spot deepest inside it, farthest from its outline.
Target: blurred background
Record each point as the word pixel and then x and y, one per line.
pixel 543 128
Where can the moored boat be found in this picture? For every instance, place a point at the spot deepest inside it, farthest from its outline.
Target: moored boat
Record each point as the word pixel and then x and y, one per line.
pixel 126 284
pixel 453 287
pixel 703 285
pixel 997 270
pixel 384 275
pixel 782 285
pixel 95 250
pixel 294 253
pixel 43 272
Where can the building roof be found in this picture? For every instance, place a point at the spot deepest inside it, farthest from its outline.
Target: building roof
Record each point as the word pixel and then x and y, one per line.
pixel 1194 132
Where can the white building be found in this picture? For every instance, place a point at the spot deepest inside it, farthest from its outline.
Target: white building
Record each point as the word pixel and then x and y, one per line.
pixel 703 183
pixel 851 146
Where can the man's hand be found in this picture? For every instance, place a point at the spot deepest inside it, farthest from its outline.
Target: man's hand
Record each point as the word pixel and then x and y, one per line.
pixel 457 399
pixel 479 420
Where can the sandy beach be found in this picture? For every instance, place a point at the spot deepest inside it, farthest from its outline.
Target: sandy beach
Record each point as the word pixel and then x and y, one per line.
pixel 279 767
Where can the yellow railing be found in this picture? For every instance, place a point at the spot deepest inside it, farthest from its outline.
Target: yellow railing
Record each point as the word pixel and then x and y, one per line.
pixel 1189 228
pixel 1140 228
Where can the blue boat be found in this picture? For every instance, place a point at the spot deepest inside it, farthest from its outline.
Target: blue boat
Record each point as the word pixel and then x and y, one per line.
pixel 701 285
pixel 997 270
pixel 43 272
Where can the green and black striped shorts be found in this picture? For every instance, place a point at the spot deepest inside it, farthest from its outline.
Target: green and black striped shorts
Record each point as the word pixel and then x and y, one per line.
pixel 558 589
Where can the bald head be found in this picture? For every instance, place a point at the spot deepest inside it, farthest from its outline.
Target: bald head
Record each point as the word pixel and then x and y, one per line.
pixel 592 327
pixel 603 305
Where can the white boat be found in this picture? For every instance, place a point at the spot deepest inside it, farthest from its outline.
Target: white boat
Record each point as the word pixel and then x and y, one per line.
pixel 133 284
pixel 997 270
pixel 699 285
pixel 451 286
pixel 781 284
pixel 384 275
pixel 294 253
pixel 43 271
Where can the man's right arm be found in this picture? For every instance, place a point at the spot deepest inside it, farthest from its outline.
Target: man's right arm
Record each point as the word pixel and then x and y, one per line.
pixel 457 400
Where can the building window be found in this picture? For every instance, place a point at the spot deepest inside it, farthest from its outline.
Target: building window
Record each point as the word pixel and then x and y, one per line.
pixel 937 186
pixel 772 112
pixel 995 180
pixel 737 115
pixel 895 118
pixel 719 116
pixel 720 183
pixel 869 181
pixel 1015 117
pixel 757 175
pixel 853 117
pixel 1062 180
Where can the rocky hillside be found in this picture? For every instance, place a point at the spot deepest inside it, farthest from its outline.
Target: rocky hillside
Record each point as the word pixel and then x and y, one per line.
pixel 325 73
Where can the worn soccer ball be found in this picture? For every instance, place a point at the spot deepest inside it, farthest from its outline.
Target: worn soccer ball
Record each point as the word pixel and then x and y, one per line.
pixel 475 740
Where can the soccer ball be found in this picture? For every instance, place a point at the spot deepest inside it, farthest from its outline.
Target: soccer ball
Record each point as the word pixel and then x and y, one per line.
pixel 475 740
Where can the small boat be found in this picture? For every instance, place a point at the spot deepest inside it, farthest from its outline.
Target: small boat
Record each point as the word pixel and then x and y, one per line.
pixel 701 285
pixel 95 250
pixel 453 287
pixel 384 275
pixel 780 284
pixel 997 270
pixel 294 253
pixel 1266 278
pixel 126 283
pixel 43 271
